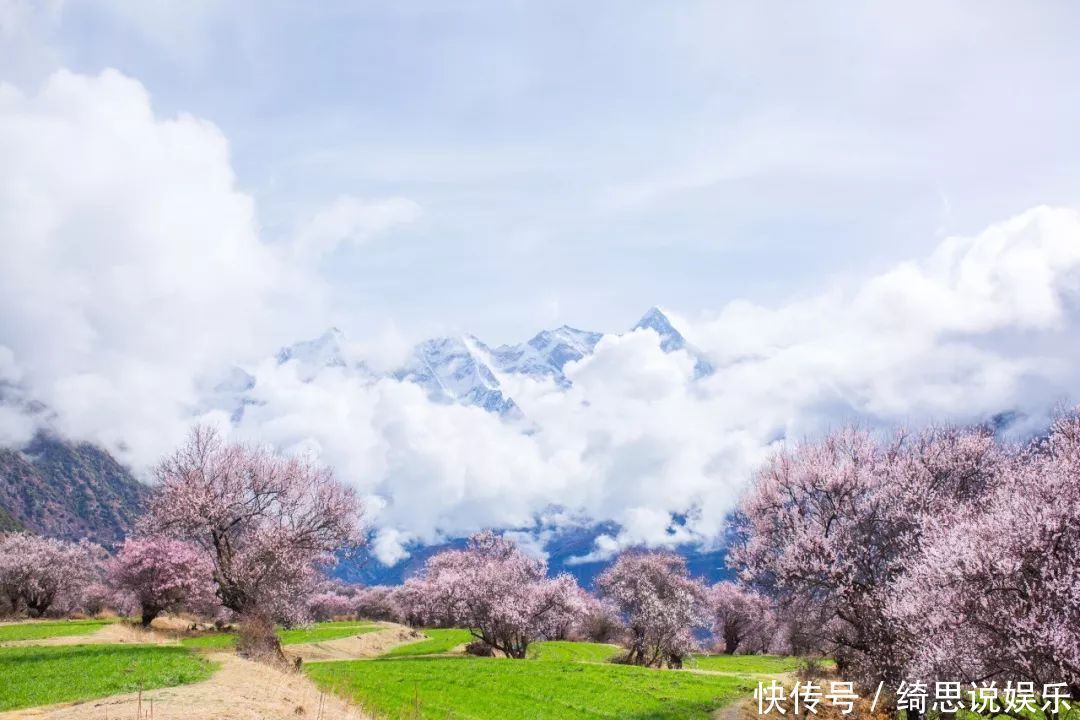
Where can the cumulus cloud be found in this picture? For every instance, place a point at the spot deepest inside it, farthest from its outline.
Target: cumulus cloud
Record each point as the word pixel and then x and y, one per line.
pixel 131 261
pixel 133 271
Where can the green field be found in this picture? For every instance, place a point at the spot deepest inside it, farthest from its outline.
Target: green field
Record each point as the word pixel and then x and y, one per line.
pixel 573 651
pixel 41 630
pixel 45 675
pixel 440 640
pixel 470 688
pixel 744 664
pixel 319 632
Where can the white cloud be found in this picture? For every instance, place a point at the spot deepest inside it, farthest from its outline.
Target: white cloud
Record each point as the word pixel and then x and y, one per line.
pixel 354 220
pixel 132 265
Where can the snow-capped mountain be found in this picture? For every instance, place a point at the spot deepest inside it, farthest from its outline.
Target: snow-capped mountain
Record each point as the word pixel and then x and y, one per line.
pixel 451 370
pixel 672 340
pixel 327 350
pixel 463 369
pixel 546 354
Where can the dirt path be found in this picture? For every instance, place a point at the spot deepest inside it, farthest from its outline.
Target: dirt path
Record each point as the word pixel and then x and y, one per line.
pixel 350 648
pixel 739 710
pixel 238 690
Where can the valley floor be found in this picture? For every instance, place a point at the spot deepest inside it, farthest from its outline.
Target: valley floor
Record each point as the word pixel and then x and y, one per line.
pixel 355 671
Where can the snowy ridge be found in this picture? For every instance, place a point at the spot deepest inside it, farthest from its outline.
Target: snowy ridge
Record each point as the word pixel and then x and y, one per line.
pixel 464 370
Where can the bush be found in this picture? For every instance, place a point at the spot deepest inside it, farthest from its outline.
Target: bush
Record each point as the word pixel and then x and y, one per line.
pixel 479 648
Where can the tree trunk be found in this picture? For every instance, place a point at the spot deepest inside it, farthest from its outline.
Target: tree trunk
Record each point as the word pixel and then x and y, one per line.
pixel 731 639
pixel 148 615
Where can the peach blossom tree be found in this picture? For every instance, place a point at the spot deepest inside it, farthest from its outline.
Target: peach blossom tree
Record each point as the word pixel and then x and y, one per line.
pixel 267 523
pixel 659 602
pixel 162 575
pixel 40 574
pixel 497 591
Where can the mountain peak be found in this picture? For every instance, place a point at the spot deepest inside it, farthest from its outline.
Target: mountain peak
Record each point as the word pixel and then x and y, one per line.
pixel 656 320
pixel 325 350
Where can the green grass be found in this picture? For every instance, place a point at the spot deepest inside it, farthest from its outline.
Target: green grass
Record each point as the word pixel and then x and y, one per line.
pixel 564 651
pixel 319 632
pixel 41 630
pixel 210 641
pixel 440 640
pixel 46 675
pixel 493 689
pixel 745 664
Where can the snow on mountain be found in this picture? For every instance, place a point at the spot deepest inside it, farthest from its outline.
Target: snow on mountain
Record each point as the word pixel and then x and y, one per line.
pixel 327 350
pixel 672 340
pixel 464 370
pixel 450 371
pixel 546 354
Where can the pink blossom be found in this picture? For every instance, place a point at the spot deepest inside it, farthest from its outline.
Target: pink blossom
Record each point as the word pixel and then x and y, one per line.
pixel 267 523
pixel 163 575
pixel 659 602
pixel 495 590
pixel 41 574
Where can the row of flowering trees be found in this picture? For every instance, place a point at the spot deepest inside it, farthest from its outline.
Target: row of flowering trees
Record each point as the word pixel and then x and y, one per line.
pixel 943 556
pixel 946 555
pixel 42 576
pixel 241 531
pixel 644 600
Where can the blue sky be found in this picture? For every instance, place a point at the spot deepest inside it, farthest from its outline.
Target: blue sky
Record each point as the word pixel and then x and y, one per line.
pixel 579 162
pixel 857 212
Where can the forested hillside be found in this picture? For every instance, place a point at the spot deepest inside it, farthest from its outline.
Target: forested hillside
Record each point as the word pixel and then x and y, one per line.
pixel 68 490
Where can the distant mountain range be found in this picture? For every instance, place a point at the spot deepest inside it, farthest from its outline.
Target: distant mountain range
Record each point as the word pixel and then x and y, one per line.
pixel 463 369
pixel 76 490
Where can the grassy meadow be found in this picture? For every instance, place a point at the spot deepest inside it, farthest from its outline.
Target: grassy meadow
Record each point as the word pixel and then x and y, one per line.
pixel 746 664
pixel 421 680
pixel 573 651
pixel 439 641
pixel 40 675
pixel 560 680
pixel 47 629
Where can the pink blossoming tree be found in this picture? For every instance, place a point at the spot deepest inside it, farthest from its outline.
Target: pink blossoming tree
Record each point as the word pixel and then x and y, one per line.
pixel 497 591
pixel 996 594
pixel 333 599
pixel 163 575
pixel 39 574
pixel 741 619
pixel 660 604
pixel 829 528
pixel 266 522
pixel 380 602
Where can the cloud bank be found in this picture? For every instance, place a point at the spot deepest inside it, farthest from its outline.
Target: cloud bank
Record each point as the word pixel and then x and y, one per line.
pixel 135 274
